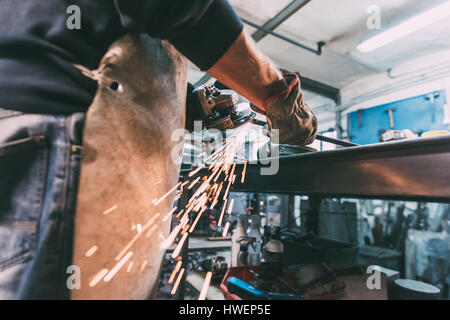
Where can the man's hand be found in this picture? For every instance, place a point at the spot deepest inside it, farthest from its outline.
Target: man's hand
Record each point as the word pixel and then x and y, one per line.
pixel 245 69
pixel 287 112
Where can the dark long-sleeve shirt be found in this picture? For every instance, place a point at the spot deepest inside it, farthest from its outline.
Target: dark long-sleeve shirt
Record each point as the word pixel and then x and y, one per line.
pixel 37 50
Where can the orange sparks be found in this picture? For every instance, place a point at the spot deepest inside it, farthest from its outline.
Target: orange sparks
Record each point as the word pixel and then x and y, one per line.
pixel 243 171
pixel 118 266
pixel 222 212
pixel 97 277
pixel 177 250
pixel 178 196
pixel 175 271
pixel 179 213
pixel 218 191
pixel 230 207
pixel 186 227
pixel 168 242
pixel 195 171
pixel 177 283
pixel 193 183
pixel 196 220
pixel 184 183
pixel 130 265
pixel 232 171
pixel 227 190
pixel 144 228
pixel 91 251
pixel 225 229
pixel 169 214
pixel 143 265
pixel 205 287
pixel 110 209
pixel 157 202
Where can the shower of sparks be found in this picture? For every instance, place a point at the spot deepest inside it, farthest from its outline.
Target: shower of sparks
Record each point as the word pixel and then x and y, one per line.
pixel 169 214
pixel 144 264
pixel 205 287
pixel 211 183
pixel 130 266
pixel 97 277
pixel 185 229
pixel 222 212
pixel 193 172
pixel 175 271
pixel 230 207
pixel 193 183
pixel 136 237
pixel 175 286
pixel 225 229
pixel 118 266
pixel 243 171
pixel 158 201
pixel 177 250
pixel 110 209
pixel 91 251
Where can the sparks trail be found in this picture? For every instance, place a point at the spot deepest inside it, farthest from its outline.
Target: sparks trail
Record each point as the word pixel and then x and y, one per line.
pixel 175 286
pixel 209 185
pixel 205 287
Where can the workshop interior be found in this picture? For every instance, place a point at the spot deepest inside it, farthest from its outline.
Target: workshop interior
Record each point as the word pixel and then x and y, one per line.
pixel 360 212
pixel 372 191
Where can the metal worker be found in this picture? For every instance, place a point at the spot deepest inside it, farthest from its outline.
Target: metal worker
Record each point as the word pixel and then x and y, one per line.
pixel 43 102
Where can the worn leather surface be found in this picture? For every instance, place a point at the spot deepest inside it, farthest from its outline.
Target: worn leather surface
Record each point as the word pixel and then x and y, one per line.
pixel 127 163
pixel 289 114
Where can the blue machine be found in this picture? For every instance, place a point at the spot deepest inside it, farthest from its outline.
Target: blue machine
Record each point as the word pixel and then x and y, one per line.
pixel 419 114
pixel 247 291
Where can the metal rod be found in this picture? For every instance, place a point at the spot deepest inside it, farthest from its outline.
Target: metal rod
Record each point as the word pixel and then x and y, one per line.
pixel 280 17
pixel 336 141
pixel 318 137
pixel 317 51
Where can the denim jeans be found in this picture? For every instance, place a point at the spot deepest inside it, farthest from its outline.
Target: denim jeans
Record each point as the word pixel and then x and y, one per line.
pixel 40 158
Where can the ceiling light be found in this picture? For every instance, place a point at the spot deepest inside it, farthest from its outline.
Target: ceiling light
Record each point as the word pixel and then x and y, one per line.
pixel 409 26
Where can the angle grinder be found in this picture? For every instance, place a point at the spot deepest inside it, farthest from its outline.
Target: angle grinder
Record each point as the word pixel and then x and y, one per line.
pixel 217 108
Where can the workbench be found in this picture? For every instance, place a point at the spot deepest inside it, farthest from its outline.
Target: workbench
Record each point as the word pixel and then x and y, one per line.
pixel 410 170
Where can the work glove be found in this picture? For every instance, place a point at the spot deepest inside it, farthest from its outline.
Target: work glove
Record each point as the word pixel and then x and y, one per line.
pixel 287 112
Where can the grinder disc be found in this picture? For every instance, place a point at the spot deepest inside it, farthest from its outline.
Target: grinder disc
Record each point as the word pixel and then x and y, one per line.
pixel 236 119
pixel 240 118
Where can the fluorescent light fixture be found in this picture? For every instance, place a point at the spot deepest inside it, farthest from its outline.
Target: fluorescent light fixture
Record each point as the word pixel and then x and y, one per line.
pixel 409 26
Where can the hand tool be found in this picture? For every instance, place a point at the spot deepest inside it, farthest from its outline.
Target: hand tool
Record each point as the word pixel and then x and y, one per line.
pixel 217 108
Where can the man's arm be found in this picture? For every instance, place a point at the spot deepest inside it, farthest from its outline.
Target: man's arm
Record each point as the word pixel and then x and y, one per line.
pixel 210 34
pixel 248 71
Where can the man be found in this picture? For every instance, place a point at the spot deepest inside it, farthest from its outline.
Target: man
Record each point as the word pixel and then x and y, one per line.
pixel 44 98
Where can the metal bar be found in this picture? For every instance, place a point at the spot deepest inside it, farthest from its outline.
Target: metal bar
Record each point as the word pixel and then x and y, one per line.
pixel 336 141
pixel 317 51
pixel 279 18
pixel 318 137
pixel 411 170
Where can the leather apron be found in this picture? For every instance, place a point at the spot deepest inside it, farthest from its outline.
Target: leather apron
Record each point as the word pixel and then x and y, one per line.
pixel 127 163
